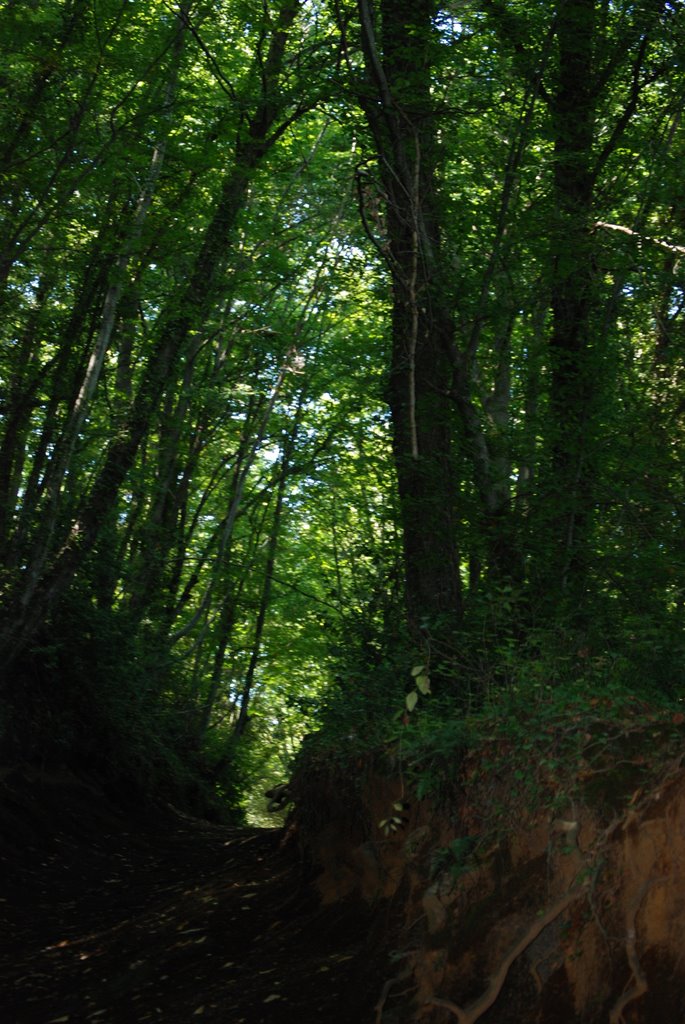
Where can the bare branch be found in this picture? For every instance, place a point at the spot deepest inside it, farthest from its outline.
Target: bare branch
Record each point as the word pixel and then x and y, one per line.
pixel 678 250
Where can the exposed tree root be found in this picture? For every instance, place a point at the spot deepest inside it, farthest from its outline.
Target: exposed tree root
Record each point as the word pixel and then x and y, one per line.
pixel 469 1014
pixel 639 986
pixel 389 984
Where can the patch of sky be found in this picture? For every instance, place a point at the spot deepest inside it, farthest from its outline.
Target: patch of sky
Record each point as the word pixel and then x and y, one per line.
pixel 448 27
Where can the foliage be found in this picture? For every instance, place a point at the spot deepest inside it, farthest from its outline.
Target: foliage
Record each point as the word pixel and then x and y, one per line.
pixel 454 859
pixel 336 341
pixel 542 745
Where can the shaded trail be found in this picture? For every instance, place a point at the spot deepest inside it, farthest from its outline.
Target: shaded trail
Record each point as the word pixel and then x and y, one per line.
pixel 110 921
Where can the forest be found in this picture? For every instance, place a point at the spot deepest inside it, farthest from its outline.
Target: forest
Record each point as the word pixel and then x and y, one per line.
pixel 341 379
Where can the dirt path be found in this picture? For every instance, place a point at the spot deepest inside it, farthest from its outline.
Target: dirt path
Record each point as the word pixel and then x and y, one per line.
pixel 172 920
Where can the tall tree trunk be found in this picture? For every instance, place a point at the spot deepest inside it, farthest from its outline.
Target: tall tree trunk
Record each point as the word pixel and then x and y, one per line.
pixel 573 282
pixel 400 111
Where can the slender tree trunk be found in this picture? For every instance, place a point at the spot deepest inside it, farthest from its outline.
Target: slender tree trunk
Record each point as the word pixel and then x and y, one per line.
pixel 20 401
pixel 572 292
pixel 63 447
pixel 260 132
pixel 272 549
pixel 28 538
pixel 226 622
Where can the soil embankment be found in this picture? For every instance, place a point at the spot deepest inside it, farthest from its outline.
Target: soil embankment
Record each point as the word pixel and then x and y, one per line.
pixel 574 912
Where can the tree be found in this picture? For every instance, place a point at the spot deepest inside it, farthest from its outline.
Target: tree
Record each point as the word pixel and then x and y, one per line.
pixel 312 313
pixel 399 53
pixel 261 121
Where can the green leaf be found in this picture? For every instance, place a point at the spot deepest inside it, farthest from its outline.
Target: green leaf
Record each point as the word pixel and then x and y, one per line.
pixel 418 670
pixel 423 684
pixel 411 700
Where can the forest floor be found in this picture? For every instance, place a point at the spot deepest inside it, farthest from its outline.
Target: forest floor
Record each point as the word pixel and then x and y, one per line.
pixel 110 919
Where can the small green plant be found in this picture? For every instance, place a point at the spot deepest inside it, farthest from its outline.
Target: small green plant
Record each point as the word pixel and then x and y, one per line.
pixel 422 686
pixel 456 859
pixel 396 820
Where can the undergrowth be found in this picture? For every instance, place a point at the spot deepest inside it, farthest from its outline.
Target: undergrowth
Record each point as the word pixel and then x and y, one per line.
pixel 112 707
pixel 526 744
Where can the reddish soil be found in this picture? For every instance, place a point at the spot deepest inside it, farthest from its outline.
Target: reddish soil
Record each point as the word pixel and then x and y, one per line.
pixel 114 919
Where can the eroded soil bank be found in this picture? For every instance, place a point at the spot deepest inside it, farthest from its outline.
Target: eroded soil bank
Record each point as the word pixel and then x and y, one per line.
pixel 569 914
pixel 126 919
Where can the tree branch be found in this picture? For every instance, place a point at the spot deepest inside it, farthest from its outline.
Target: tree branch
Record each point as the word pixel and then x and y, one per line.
pixel 678 250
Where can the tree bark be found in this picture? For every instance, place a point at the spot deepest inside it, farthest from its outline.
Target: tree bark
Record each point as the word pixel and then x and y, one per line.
pixel 400 112
pixel 573 283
